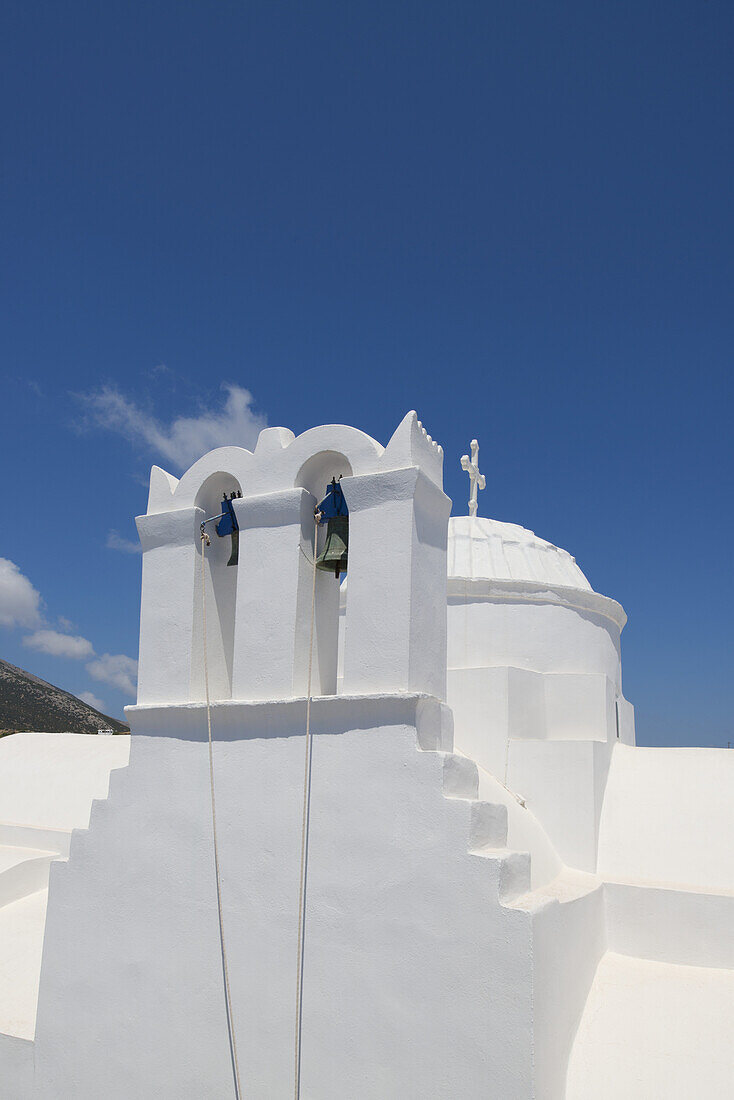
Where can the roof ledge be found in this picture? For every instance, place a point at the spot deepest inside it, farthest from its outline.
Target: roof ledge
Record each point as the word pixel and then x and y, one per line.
pixel 483 588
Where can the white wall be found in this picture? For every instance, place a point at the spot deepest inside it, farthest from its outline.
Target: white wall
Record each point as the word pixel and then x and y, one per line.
pixel 683 927
pixel 493 704
pixel 563 783
pixel 16 1066
pixel 417 980
pixel 395 619
pixel 479 700
pixel 533 662
pixel 569 939
pixel 524 831
pixel 652 1031
pixel 170 631
pixel 539 631
pixel 668 817
pixel 48 780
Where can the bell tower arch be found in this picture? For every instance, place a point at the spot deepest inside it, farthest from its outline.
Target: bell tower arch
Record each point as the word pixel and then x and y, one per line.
pixel 315 476
pixel 259 609
pixel 220 579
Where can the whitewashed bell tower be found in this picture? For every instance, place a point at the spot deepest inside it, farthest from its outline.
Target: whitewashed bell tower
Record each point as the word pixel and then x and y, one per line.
pixel 259 609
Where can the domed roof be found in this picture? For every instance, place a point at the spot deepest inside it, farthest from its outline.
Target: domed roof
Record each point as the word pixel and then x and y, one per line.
pixel 487 549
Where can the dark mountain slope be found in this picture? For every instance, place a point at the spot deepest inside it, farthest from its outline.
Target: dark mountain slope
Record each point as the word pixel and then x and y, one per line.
pixel 27 703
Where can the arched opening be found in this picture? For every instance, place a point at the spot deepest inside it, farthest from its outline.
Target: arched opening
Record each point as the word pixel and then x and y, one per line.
pixel 315 476
pixel 220 581
pixel 319 469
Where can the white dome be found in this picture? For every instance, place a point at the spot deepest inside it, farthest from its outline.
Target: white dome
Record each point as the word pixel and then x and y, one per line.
pixel 486 549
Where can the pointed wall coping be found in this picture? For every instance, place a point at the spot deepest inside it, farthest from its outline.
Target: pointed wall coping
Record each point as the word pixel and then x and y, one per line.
pixel 281 461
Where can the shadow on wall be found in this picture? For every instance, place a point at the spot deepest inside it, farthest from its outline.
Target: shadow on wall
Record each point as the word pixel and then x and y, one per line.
pixel 315 476
pixel 221 596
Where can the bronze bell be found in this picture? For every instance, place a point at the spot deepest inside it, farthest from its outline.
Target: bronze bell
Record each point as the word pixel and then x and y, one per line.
pixel 235 552
pixel 334 554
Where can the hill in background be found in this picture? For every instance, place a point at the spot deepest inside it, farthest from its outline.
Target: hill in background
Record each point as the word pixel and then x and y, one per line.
pixel 27 703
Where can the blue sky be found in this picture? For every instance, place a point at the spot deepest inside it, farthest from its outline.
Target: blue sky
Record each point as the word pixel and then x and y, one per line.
pixel 515 218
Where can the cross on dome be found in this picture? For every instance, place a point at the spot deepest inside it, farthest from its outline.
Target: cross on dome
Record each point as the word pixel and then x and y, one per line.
pixel 477 481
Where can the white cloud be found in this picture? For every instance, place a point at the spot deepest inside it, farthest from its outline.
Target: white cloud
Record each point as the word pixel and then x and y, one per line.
pixel 115 541
pixel 20 605
pixel 115 669
pixel 186 438
pixel 93 700
pixel 60 645
pixel 20 602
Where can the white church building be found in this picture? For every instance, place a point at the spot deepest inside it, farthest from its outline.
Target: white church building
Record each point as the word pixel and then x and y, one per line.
pixel 382 837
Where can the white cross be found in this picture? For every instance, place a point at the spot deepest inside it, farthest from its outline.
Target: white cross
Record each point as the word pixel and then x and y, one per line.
pixel 471 465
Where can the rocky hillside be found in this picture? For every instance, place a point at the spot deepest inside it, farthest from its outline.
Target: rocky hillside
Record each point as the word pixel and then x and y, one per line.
pixel 27 703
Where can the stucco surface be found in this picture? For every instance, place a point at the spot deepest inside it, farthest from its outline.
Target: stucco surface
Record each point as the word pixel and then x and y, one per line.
pixel 416 976
pixel 668 817
pixel 487 548
pixel 654 1030
pixel 48 782
pixel 50 779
